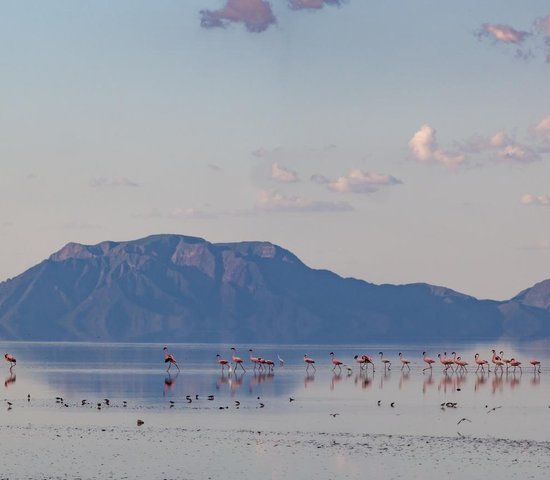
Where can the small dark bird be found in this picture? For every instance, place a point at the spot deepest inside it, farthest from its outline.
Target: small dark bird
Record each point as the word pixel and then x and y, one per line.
pixel 210 397
pixel 9 404
pixel 333 415
pixel 290 399
pixel 140 422
pixel 379 402
pixel 463 420
pixel 29 397
pixel 84 402
pixel 172 402
pixel 196 397
pixel 458 389
pixel 107 401
pixel 221 408
pixel 493 409
pixel 188 398
pixel 124 403
pixel 171 405
pixel 237 403
pixel 262 405
pixel 451 404
pixel 392 404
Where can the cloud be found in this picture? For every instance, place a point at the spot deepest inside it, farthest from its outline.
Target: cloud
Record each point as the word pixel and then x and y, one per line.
pixel 503 147
pixel 539 200
pixel 313 4
pixel 503 33
pixel 214 167
pixel 357 181
pixel 99 182
pixel 256 15
pixel 273 201
pixel 283 175
pixel 424 148
pixel 543 128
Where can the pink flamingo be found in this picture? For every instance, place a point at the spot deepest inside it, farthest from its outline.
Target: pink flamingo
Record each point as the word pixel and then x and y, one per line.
pixel 514 363
pixel 497 361
pixel 221 361
pixel 445 361
pixel 309 362
pixel 404 361
pixel 169 359
pixel 335 362
pixel 505 360
pixel 480 363
pixel 428 361
pixel 385 361
pixel 535 363
pixel 268 363
pixel 238 361
pixel 255 360
pixel 461 364
pixel 10 358
pixel 361 360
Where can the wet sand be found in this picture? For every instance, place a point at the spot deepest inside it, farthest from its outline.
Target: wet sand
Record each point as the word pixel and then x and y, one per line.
pixel 201 444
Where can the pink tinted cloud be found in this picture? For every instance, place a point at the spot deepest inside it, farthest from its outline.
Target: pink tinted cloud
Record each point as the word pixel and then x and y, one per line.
pixel 282 174
pixel 503 148
pixel 537 200
pixel 502 33
pixel 273 201
pixel 543 128
pixel 256 15
pixel 357 181
pixel 312 4
pixel 424 148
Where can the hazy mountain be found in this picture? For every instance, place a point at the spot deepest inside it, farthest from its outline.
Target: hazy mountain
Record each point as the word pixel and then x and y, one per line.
pixel 177 288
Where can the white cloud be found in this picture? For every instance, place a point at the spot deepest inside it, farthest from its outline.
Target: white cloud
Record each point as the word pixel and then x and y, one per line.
pixel 543 128
pixel 530 199
pixel 424 148
pixel 273 201
pixel 282 174
pixel 357 181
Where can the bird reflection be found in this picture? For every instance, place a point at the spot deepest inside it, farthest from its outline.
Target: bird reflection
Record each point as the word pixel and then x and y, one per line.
pixel 260 377
pixel 535 379
pixel 405 374
pixel 514 380
pixel 428 382
pixel 235 381
pixel 10 380
pixel 223 379
pixel 169 382
pixel 385 377
pixel 336 378
pixel 497 383
pixel 309 378
pixel 364 378
pixel 481 379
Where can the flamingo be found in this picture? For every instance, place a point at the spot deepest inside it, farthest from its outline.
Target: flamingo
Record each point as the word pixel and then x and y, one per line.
pixel 428 361
pixel 10 358
pixel 361 360
pixel 169 359
pixel 385 361
pixel 309 361
pixel 514 363
pixel 445 361
pixel 404 361
pixel 481 362
pixel 505 360
pixel 255 360
pixel 461 364
pixel 238 361
pixel 497 361
pixel 535 363
pixel 335 362
pixel 268 363
pixel 221 361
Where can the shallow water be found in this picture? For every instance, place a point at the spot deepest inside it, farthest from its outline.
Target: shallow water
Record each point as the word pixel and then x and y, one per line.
pixel 505 404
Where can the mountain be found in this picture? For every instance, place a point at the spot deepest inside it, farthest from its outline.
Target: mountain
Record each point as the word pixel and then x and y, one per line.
pixel 179 288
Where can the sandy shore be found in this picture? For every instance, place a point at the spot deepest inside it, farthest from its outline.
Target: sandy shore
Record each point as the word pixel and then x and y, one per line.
pixel 118 451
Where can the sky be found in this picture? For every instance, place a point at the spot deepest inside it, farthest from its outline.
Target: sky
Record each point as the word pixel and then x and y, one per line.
pixel 395 142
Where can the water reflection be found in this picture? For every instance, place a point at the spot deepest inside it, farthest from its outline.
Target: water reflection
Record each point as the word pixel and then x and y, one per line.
pixel 10 380
pixel 169 382
pixel 309 379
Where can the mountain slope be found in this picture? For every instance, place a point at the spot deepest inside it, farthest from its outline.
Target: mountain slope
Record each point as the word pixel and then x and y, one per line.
pixel 178 288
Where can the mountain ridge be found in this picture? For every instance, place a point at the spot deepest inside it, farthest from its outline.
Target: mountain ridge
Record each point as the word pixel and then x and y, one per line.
pixel 185 288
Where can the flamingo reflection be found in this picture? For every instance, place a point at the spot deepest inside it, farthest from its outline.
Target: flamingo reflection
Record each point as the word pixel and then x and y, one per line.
pixel 336 378
pixel 309 378
pixel 404 377
pixel 10 380
pixel 428 382
pixel 364 378
pixel 169 383
pixel 481 380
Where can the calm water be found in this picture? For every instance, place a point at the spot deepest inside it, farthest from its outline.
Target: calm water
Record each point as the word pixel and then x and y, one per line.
pixel 137 372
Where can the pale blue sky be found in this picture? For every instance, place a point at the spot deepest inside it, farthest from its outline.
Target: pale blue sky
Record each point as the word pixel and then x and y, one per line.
pixel 127 118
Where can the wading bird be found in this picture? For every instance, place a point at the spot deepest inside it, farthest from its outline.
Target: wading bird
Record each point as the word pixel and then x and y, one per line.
pixel 335 361
pixel 428 361
pixel 385 361
pixel 221 361
pixel 535 363
pixel 481 362
pixel 238 361
pixel 404 361
pixel 10 358
pixel 309 362
pixel 169 359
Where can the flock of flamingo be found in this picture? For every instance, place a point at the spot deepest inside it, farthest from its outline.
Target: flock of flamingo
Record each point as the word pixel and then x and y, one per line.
pixel 454 363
